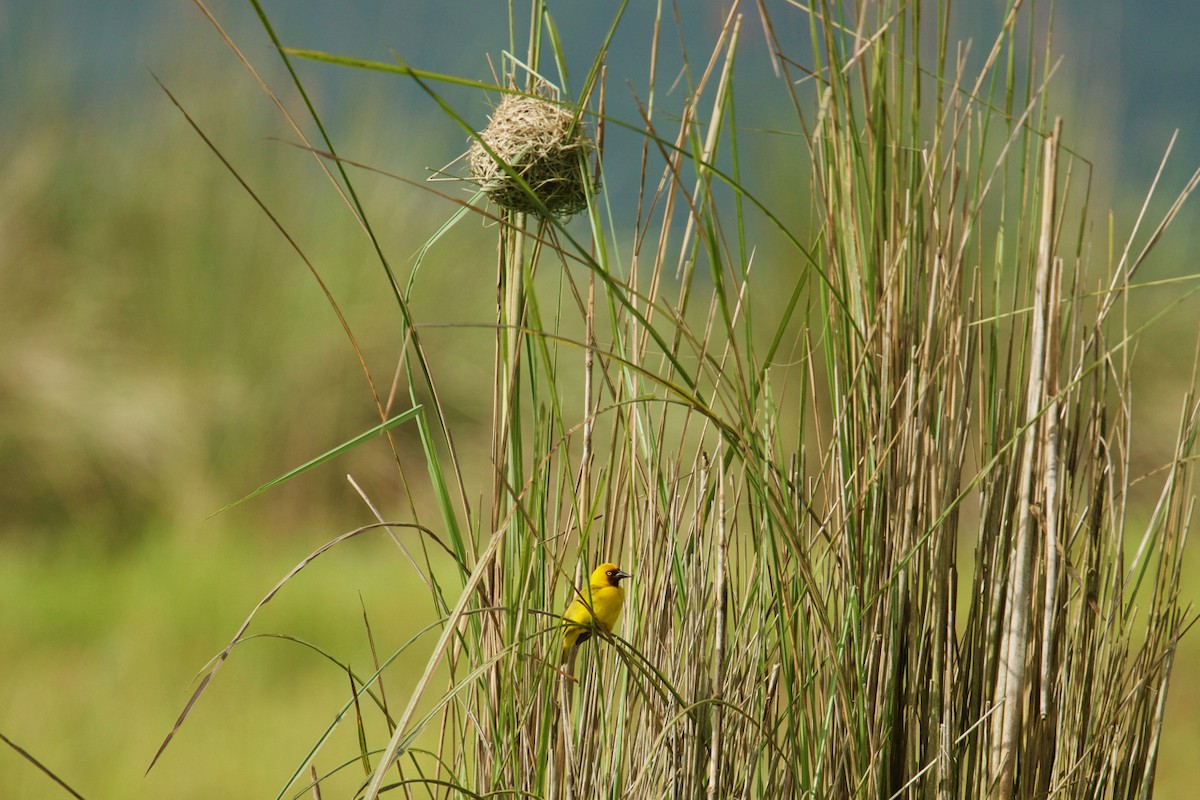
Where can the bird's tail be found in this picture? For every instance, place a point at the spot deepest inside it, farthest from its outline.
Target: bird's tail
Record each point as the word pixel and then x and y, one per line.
pixel 573 636
pixel 567 659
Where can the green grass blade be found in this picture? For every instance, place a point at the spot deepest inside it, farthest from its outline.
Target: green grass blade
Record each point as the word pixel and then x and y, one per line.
pixel 329 455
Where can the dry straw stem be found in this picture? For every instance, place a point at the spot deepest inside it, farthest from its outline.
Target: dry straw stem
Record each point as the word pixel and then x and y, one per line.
pixel 1010 681
pixel 542 142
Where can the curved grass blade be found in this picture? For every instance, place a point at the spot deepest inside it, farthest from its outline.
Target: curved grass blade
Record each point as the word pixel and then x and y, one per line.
pixel 25 754
pixel 387 425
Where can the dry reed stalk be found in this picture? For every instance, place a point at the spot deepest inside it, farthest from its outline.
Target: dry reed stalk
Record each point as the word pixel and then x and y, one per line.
pixel 1011 680
pixel 721 609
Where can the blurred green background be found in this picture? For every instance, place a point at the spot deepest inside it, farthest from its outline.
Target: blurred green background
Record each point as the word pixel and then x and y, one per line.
pixel 163 350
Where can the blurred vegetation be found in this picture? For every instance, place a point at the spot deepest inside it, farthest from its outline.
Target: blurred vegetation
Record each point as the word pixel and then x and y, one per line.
pixel 164 351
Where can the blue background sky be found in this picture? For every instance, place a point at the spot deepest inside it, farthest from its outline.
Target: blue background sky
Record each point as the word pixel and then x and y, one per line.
pixel 1130 71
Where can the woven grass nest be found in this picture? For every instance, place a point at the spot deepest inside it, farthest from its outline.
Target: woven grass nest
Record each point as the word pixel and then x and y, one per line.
pixel 545 144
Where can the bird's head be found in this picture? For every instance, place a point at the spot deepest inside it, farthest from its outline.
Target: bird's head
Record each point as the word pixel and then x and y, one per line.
pixel 608 575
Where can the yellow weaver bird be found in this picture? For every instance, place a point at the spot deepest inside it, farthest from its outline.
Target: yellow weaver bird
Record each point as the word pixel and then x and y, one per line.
pixel 598 606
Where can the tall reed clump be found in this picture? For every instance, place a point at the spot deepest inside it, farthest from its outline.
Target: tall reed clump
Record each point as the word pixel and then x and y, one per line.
pixel 873 489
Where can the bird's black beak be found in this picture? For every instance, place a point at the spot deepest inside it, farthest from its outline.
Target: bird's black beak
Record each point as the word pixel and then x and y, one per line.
pixel 619 574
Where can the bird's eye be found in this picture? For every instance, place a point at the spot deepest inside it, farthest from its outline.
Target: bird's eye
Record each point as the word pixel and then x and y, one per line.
pixel 611 572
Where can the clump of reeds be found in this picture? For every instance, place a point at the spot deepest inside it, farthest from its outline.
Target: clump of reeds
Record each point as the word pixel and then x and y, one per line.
pixel 874 496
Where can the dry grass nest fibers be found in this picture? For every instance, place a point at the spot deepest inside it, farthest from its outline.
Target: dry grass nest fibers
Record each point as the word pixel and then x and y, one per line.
pixel 545 144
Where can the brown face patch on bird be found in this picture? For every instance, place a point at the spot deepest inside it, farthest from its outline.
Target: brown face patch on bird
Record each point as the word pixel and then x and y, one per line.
pixel 615 576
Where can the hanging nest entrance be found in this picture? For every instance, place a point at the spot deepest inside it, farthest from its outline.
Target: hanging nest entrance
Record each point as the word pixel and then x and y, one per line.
pixel 545 144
